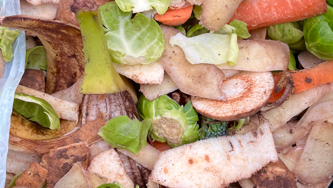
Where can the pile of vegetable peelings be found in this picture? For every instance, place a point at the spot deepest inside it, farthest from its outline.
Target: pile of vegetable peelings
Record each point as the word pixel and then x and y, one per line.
pixel 172 93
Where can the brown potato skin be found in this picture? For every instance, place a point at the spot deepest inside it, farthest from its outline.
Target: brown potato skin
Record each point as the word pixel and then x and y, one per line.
pixel 34 79
pixel 33 177
pixel 60 160
pixel 274 175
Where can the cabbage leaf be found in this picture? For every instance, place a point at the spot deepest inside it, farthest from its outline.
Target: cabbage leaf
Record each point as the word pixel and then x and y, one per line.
pixel 131 41
pixel 161 6
pixel 36 58
pixel 37 110
pixel 7 38
pixel 208 48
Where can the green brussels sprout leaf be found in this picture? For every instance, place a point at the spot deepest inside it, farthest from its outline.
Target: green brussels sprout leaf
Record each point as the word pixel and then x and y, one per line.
pixel 292 62
pixel 318 35
pixel 197 11
pixel 36 58
pixel 196 30
pixel 37 110
pixel 124 133
pixel 181 29
pixel 240 29
pixel 131 41
pixel 7 38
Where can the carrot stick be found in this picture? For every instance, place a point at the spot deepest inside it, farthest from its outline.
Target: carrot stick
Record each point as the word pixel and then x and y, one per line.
pixel 262 13
pixel 307 79
pixel 174 17
pixel 161 146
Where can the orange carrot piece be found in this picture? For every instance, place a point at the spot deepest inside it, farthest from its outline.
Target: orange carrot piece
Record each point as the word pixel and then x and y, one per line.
pixel 307 79
pixel 161 146
pixel 275 96
pixel 263 13
pixel 174 17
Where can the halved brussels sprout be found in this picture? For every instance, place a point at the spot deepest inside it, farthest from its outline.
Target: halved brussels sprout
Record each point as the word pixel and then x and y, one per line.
pixel 170 122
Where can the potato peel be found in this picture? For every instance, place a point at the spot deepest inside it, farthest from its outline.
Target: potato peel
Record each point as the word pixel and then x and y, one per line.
pixel 63 45
pixel 201 80
pixel 217 13
pixel 246 93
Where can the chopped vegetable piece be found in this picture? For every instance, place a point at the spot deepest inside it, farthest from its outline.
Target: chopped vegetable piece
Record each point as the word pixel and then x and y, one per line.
pixel 36 58
pixel 196 30
pixel 246 93
pixel 287 32
pixel 98 67
pixel 124 133
pixel 262 13
pixel 318 35
pixel 217 13
pixel 212 128
pixel 208 48
pixel 7 38
pixel 170 122
pixel 36 109
pixel 292 62
pixel 174 17
pixel 161 6
pixel 307 79
pixel 240 29
pixel 131 41
pixel 197 10
pixel 216 161
pixel 161 146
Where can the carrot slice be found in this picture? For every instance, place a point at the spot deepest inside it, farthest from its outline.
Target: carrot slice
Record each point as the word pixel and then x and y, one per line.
pixel 307 79
pixel 174 17
pixel 262 13
pixel 161 146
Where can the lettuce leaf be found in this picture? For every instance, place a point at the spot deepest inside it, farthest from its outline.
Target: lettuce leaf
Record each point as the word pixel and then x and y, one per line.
pixel 208 48
pixel 36 58
pixel 124 133
pixel 131 41
pixel 7 38
pixel 161 6
pixel 240 29
pixel 37 110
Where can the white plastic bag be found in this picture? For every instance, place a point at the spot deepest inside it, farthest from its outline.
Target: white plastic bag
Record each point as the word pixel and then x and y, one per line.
pixel 11 78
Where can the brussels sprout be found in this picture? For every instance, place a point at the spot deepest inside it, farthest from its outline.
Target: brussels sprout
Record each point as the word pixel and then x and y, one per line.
pixel 170 122
pixel 318 35
pixel 289 33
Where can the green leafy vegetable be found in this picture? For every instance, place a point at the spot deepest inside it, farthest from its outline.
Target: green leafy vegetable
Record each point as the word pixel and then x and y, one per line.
pixel 208 48
pixel 131 41
pixel 289 33
pixel 240 29
pixel 181 29
pixel 12 182
pixel 161 6
pixel 171 123
pixel 122 132
pixel 292 62
pixel 212 128
pixel 7 38
pixel 330 2
pixel 318 35
pixel 36 58
pixel 197 11
pixel 196 30
pixel 286 32
pixel 36 109
pixel 111 185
